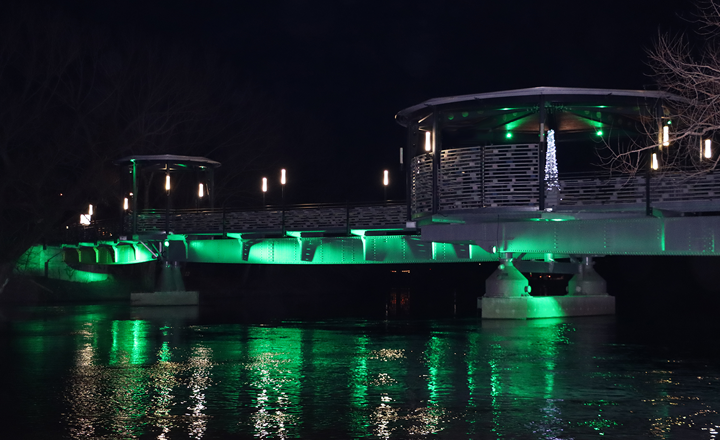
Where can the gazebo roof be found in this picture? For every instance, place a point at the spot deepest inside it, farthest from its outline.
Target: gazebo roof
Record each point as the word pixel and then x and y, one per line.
pixel 169 162
pixel 583 97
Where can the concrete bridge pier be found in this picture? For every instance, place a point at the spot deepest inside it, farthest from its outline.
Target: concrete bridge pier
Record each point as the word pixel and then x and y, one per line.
pixel 587 281
pixel 506 281
pixel 170 289
pixel 507 294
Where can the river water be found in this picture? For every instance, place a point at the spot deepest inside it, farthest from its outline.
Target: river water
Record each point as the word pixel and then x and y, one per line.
pixel 113 371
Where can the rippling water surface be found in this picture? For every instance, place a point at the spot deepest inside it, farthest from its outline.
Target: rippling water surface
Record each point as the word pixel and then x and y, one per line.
pixel 112 371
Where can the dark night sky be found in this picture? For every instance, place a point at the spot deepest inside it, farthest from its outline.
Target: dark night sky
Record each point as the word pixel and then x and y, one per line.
pixel 348 66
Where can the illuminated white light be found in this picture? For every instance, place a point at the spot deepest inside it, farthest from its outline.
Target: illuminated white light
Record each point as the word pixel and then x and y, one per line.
pixel 90 210
pixel 126 204
pixel 167 182
pixel 708 148
pixel 264 184
pixel 386 178
pixel 666 135
pixel 201 190
pixel 655 165
pixel 428 144
pixel 84 219
pixel 551 170
pixel 283 180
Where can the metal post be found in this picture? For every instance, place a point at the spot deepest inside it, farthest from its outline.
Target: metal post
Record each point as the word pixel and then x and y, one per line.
pixel 542 151
pixel 410 152
pixel 167 205
pixel 134 197
pixel 648 174
pixel 347 218
pixel 211 187
pixel 436 143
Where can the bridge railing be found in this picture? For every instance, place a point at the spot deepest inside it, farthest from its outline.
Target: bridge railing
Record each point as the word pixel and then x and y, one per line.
pixel 667 190
pixel 336 217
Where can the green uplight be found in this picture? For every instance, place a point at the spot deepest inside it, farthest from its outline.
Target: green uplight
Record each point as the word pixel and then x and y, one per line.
pixel 509 135
pixel 167 243
pixel 599 133
pixel 465 114
pixel 669 122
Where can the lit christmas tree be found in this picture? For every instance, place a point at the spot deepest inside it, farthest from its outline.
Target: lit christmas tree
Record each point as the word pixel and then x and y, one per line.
pixel 551 170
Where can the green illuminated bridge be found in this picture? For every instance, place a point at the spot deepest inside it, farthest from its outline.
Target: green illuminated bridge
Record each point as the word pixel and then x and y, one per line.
pixel 504 176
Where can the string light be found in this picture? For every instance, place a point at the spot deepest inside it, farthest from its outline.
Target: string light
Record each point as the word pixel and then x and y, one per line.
pixel 551 170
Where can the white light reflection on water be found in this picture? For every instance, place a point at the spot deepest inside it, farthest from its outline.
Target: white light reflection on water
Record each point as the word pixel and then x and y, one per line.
pixel 200 365
pixel 275 360
pixel 547 379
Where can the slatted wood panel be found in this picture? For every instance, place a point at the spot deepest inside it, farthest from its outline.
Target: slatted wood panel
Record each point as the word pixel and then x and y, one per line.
pixel 461 178
pixel 391 216
pixel 511 175
pixel 601 190
pixel 672 188
pixel 421 190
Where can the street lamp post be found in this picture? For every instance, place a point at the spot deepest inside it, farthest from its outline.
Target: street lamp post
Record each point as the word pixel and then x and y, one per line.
pixel 386 182
pixel 264 189
pixel 167 201
pixel 283 181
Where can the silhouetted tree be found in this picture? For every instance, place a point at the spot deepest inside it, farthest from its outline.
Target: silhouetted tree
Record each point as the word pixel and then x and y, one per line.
pixel 691 72
pixel 72 100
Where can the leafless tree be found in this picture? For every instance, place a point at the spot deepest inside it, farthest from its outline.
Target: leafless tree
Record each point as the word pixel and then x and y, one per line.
pixel 687 67
pixel 73 100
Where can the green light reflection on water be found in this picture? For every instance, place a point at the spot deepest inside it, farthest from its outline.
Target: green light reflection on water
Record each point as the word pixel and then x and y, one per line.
pixel 274 363
pixel 359 405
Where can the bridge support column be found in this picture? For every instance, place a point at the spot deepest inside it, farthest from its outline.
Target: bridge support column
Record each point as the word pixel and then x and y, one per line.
pixel 587 281
pixel 507 295
pixel 506 292
pixel 171 289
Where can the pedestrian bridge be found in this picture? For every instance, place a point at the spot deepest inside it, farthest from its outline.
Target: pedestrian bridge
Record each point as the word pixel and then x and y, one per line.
pixel 595 215
pixel 490 177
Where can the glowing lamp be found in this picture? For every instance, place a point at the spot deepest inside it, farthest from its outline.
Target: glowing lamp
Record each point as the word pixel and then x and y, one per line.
pixel 167 182
pixel 428 144
pixel 655 165
pixel 264 184
pixel 283 176
pixel 708 148
pixel 386 178
pixel 666 136
pixel 201 190
pixel 90 210
pixel 126 204
pixel 508 135
pixel 599 133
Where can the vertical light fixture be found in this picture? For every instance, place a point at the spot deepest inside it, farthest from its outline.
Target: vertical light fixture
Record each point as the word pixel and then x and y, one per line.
pixel 201 190
pixel 264 188
pixel 666 136
pixel 708 148
pixel 386 182
pixel 283 181
pixel 167 182
pixel 90 209
pixel 655 165
pixel 428 143
pixel 126 204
